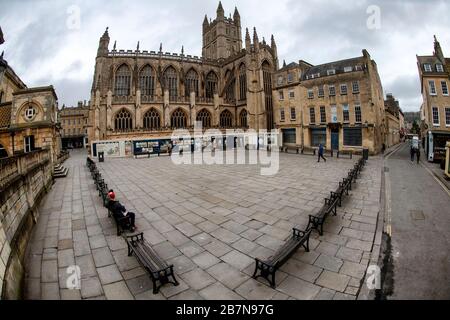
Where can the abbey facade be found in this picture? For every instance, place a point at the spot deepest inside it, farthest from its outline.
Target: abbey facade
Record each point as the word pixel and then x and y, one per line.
pixel 142 94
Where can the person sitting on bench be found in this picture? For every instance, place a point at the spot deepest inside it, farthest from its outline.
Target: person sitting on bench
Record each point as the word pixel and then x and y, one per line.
pixel 119 211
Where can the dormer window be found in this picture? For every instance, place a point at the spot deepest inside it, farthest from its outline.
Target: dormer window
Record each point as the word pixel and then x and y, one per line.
pixel 331 72
pixel 358 68
pixel 290 77
pixel 439 68
pixel 427 67
pixel 348 69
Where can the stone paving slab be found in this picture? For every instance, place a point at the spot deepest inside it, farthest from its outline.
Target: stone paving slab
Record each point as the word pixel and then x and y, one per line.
pixel 210 222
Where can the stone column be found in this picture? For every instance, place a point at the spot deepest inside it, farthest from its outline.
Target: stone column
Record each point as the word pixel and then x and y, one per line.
pixel 108 110
pixel 97 116
pixel 166 104
pixel 216 113
pixel 192 108
pixel 138 120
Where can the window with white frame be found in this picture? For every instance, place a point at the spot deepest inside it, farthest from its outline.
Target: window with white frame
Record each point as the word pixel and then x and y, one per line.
pixel 312 115
pixel 435 116
pixel 332 90
pixel 310 94
pixel 447 117
pixel 427 67
pixel 432 87
pixel 290 77
pixel 358 68
pixel 323 114
pixel 28 143
pixel 291 94
pixel 444 88
pixel 343 89
pixel 331 72
pixel 439 68
pixel 293 115
pixel 281 93
pixel 321 93
pixel 345 113
pixel 348 69
pixel 355 86
pixel 358 116
pixel 282 116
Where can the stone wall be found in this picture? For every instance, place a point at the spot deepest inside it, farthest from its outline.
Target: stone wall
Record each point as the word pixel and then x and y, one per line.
pixel 24 180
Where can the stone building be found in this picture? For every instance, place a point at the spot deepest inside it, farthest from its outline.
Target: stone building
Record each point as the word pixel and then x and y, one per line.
pixel 74 121
pixel 338 104
pixel 402 122
pixel 28 116
pixel 434 72
pixel 392 122
pixel 147 94
pixel 410 117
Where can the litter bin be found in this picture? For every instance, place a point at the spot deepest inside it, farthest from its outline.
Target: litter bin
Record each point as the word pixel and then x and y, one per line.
pixel 101 156
pixel 366 154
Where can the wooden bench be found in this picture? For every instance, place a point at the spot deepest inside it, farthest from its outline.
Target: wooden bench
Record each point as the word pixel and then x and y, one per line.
pixel 268 268
pixel 342 190
pixel 90 163
pixel 309 150
pixel 159 270
pixel 147 153
pixel 99 183
pixel 328 152
pixel 296 148
pixel 341 153
pixel 103 192
pixel 317 221
pixel 95 173
pixel 352 175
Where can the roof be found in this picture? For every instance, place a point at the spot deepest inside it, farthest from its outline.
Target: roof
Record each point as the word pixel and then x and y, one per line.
pixel 5 115
pixel 428 59
pixel 36 89
pixel 338 66
pixel 289 66
pixel 11 74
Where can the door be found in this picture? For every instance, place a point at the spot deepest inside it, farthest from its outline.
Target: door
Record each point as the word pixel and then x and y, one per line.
pixel 335 140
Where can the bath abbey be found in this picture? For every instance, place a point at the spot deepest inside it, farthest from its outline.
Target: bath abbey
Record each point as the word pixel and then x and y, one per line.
pixel 139 93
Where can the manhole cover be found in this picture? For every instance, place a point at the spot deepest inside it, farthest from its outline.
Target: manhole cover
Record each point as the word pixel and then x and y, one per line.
pixel 417 214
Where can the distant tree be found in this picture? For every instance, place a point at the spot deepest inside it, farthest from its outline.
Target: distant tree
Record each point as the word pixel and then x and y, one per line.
pixel 415 128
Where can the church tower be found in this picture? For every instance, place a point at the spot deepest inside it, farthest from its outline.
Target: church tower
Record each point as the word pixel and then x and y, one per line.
pixel 222 37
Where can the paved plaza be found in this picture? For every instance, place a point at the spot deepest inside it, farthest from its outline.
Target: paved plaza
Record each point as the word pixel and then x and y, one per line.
pixel 210 222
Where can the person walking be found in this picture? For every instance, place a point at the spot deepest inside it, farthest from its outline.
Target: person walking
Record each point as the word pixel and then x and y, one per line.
pixel 321 150
pixel 411 151
pixel 418 155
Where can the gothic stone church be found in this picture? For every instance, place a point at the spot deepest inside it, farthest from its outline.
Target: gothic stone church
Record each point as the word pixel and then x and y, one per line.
pixel 138 94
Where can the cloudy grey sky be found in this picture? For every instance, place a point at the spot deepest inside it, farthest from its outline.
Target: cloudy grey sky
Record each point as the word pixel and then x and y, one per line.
pixel 44 47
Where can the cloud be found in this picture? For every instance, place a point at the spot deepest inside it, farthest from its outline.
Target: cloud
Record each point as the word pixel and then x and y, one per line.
pixel 44 50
